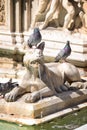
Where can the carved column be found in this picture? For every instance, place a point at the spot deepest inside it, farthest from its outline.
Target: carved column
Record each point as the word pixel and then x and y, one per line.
pixel 11 15
pixel 18 21
pixel 26 18
pixel 18 15
pixel 26 14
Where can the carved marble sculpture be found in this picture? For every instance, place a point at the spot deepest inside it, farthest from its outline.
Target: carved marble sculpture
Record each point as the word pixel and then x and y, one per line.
pixel 84 17
pixel 52 10
pixel 55 6
pixel 42 10
pixel 42 80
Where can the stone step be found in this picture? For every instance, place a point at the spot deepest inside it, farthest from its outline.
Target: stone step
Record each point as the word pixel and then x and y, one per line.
pixel 11 72
pixel 6 62
pixel 7 73
pixel 84 127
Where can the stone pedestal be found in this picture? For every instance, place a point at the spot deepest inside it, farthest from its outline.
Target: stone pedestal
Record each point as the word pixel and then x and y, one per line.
pixel 43 110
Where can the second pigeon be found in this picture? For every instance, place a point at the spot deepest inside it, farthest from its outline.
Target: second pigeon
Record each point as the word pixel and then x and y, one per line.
pixel 64 53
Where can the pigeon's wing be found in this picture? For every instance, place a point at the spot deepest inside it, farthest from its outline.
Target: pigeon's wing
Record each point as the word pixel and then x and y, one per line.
pixel 30 41
pixel 64 53
pixel 37 38
pixel 67 50
pixel 60 55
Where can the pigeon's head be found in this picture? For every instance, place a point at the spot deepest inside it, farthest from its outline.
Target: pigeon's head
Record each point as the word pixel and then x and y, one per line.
pixel 36 30
pixel 68 42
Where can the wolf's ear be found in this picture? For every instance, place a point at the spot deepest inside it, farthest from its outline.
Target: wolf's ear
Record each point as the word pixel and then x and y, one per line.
pixel 41 46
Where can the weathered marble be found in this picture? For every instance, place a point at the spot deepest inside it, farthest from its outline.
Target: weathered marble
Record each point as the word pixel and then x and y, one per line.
pixel 44 110
pixel 84 27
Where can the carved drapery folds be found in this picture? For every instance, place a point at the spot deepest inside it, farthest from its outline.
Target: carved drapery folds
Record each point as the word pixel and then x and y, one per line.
pixel 2 12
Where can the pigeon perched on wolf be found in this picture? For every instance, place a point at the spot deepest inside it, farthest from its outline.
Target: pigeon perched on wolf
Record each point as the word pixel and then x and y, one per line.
pixel 64 53
pixel 34 38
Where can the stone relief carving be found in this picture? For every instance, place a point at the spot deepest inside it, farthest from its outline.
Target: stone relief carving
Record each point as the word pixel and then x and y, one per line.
pixel 41 11
pixel 2 12
pixel 84 18
pixel 73 16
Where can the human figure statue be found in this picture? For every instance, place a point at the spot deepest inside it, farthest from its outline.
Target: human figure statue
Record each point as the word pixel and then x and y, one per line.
pixel 55 7
pixel 84 17
pixel 52 9
pixel 43 7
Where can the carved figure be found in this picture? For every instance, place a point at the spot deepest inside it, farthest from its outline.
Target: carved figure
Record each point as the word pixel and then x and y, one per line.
pixel 53 9
pixel 41 79
pixel 42 9
pixel 84 17
pixel 30 81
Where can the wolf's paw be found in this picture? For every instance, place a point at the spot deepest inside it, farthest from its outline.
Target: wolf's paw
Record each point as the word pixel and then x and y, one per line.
pixel 10 97
pixel 33 97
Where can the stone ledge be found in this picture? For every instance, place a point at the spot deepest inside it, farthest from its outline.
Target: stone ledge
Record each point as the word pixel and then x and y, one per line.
pixel 43 110
pixel 55 40
pixel 83 127
pixel 31 121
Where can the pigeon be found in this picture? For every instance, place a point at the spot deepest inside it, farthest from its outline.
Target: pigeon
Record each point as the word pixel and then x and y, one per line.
pixel 34 38
pixel 64 53
pixel 5 87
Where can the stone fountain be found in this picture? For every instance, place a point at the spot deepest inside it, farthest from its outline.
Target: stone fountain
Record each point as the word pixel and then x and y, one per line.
pixel 26 107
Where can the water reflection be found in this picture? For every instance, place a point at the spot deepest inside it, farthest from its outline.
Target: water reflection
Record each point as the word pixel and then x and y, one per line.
pixel 69 122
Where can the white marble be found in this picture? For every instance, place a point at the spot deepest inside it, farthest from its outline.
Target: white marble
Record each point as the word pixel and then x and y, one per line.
pixel 84 127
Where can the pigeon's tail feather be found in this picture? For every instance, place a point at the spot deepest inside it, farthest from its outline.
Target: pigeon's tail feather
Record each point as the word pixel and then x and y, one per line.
pixel 64 53
pixel 57 58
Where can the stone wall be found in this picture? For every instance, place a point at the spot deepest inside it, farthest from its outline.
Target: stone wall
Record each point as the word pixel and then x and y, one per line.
pixel 15 28
pixel 15 19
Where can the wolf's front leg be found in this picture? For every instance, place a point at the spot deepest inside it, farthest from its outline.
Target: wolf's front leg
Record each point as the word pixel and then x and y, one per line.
pixel 12 95
pixel 37 95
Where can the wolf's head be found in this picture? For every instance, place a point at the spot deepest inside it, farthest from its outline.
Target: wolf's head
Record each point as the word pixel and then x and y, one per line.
pixel 34 56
